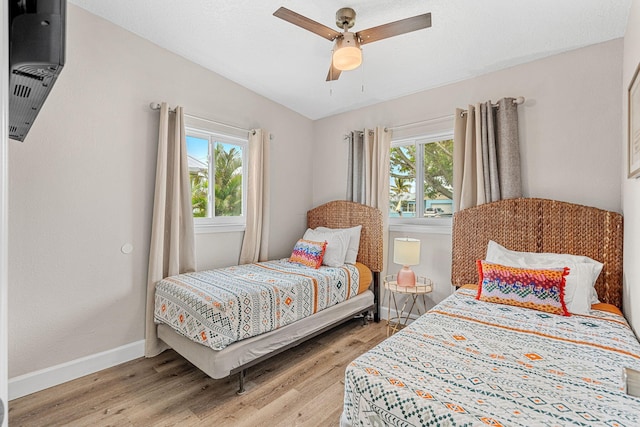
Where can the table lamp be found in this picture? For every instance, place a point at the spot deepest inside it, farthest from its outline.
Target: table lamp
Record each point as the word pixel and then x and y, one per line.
pixel 406 251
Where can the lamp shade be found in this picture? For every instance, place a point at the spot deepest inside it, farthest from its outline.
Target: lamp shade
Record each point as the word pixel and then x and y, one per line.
pixel 347 54
pixel 406 251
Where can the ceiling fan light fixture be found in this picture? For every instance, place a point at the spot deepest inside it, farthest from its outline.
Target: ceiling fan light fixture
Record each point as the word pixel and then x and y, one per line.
pixel 347 54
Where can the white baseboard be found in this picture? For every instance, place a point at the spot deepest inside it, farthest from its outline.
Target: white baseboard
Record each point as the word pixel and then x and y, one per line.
pixel 39 380
pixel 385 313
pixel 49 377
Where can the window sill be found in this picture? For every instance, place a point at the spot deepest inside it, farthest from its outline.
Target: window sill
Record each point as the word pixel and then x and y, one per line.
pixel 429 226
pixel 218 228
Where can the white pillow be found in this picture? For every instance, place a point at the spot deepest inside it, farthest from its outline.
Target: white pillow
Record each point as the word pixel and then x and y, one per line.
pixel 354 241
pixel 583 272
pixel 337 244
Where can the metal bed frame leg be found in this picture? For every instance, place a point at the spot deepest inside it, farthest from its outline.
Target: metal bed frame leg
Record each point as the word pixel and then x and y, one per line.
pixel 365 318
pixel 241 389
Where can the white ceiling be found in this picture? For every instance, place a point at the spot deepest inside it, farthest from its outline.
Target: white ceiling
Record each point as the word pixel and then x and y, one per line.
pixel 241 40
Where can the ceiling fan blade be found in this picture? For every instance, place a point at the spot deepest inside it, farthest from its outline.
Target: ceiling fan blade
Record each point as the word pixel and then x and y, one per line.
pixel 306 23
pixel 333 73
pixel 394 28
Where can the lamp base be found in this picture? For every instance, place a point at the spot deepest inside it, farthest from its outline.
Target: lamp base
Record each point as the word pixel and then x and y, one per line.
pixel 406 277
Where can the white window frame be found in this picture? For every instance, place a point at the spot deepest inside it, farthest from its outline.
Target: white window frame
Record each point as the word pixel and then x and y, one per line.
pixel 420 223
pixel 221 223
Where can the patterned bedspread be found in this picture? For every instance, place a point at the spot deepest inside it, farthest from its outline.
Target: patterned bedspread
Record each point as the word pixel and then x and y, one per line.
pixel 468 363
pixel 219 307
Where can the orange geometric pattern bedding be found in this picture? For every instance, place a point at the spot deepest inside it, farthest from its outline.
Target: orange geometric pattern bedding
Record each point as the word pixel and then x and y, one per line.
pixel 218 307
pixel 366 277
pixel 468 362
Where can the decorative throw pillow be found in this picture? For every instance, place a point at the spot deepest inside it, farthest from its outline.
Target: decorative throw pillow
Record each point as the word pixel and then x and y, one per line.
pixel 354 241
pixel 309 253
pixel 538 289
pixel 337 244
pixel 584 271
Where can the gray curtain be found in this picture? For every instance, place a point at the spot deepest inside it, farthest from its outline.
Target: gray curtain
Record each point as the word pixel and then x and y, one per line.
pixel 486 154
pixel 172 249
pixel 355 173
pixel 368 172
pixel 368 167
pixel 256 235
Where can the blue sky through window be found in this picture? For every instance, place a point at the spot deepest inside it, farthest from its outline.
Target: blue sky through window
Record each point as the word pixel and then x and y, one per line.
pixel 198 148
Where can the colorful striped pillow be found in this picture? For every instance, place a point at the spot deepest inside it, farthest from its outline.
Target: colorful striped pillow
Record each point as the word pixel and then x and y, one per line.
pixel 538 289
pixel 308 253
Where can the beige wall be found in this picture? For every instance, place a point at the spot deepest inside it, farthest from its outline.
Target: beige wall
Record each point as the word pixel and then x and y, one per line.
pixel 569 128
pixel 631 187
pixel 569 124
pixel 81 186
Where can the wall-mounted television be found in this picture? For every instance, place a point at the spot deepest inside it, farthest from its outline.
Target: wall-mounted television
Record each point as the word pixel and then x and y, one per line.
pixel 37 36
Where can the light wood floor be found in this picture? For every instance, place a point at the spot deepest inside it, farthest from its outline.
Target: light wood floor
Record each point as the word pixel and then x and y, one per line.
pixel 300 387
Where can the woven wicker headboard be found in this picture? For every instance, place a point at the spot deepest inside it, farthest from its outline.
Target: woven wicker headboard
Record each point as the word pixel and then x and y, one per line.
pixel 539 225
pixel 343 214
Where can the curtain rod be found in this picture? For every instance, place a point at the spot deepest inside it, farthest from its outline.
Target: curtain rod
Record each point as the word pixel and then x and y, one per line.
pixel 519 100
pixel 347 136
pixel 156 106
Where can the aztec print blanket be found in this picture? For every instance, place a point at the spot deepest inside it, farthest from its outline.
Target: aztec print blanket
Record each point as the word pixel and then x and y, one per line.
pixel 474 363
pixel 218 307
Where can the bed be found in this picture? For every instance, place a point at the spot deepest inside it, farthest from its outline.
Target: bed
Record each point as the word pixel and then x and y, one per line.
pixel 218 354
pixel 472 362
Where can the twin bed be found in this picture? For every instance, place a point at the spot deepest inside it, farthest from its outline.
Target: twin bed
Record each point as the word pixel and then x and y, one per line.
pixel 213 320
pixel 466 361
pixel 471 362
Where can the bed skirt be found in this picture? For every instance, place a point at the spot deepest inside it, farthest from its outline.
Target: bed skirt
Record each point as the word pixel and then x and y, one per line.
pixel 221 363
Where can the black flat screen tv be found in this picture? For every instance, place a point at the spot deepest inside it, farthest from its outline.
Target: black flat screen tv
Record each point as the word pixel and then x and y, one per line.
pixel 37 36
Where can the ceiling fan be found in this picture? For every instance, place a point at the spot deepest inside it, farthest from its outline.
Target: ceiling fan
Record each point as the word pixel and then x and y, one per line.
pixel 347 54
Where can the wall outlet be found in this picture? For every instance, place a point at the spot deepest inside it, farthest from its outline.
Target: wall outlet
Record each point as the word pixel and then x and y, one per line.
pixel 632 382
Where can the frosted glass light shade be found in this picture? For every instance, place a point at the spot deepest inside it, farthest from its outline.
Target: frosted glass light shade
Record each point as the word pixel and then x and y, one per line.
pixel 406 251
pixel 347 54
pixel 347 58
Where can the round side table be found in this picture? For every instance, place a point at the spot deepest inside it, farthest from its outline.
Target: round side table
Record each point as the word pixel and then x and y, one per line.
pixel 423 287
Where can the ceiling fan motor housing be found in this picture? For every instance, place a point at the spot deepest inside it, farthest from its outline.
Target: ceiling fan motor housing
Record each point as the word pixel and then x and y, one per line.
pixel 345 18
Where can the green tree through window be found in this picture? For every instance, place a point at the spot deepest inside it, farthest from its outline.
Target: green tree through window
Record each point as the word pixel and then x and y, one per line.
pixel 433 177
pixel 216 201
pixel 199 192
pixel 228 180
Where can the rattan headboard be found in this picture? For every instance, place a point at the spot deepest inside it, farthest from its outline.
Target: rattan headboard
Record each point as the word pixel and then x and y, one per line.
pixel 540 225
pixel 343 214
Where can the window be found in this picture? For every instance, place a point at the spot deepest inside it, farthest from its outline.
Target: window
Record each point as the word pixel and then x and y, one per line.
pixel 421 177
pixel 220 201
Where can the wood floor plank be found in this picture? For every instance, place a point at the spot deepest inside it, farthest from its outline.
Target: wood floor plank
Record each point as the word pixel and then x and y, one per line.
pixel 302 386
pixel 319 409
pixel 272 414
pixel 85 395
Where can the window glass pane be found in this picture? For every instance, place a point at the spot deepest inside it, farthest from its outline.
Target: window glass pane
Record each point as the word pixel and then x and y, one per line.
pixel 402 184
pixel 228 186
pixel 198 159
pixel 438 178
